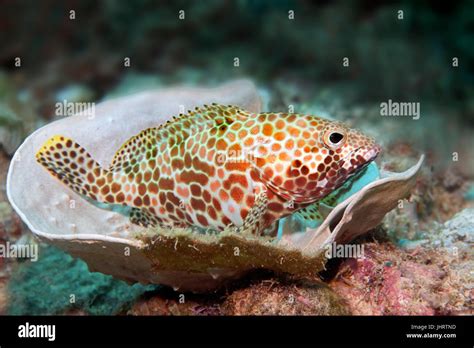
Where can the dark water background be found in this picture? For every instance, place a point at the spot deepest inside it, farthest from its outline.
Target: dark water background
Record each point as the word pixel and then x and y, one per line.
pixel 295 62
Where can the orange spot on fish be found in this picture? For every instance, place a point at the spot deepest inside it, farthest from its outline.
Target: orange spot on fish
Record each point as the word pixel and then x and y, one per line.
pixel 267 129
pixel 223 195
pixel 248 141
pixel 280 124
pixel 202 152
pixel 215 186
pixel 279 136
pixel 182 191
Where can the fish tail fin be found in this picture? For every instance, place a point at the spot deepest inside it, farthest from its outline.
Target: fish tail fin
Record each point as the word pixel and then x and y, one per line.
pixel 75 167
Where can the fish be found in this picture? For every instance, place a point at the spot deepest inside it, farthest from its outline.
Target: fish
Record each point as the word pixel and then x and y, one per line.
pixel 217 166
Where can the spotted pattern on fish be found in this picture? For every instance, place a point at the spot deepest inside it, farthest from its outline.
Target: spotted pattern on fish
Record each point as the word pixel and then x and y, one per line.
pixel 207 168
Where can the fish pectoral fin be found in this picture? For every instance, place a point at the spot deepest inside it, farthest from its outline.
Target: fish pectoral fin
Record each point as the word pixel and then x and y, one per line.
pixel 253 222
pixel 325 209
pixel 143 217
pixel 271 230
pixel 75 167
pixel 313 215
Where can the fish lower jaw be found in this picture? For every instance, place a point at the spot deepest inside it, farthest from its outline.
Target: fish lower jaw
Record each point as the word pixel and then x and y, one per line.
pixel 371 154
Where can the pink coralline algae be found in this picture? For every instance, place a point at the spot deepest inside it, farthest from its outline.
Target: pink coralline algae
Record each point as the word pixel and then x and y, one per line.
pixel 391 281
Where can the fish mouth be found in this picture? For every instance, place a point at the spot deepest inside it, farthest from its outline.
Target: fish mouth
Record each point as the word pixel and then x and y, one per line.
pixel 359 158
pixel 371 153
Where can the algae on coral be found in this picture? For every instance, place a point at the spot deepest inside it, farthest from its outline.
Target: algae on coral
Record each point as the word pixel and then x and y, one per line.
pixel 58 283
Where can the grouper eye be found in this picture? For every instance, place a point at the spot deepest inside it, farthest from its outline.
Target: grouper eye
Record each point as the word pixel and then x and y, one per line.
pixel 334 139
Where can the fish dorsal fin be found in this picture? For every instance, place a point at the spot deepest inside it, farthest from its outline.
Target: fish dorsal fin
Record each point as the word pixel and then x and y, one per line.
pixel 220 114
pixel 175 131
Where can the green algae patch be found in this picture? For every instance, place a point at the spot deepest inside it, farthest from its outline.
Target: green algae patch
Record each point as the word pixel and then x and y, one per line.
pixel 185 250
pixel 58 283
